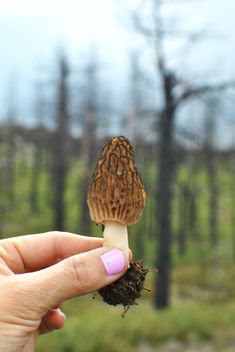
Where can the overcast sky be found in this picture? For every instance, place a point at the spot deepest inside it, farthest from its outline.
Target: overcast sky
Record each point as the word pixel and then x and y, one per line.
pixel 32 30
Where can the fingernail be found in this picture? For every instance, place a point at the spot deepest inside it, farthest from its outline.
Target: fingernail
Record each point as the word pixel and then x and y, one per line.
pixel 63 315
pixel 60 312
pixel 113 261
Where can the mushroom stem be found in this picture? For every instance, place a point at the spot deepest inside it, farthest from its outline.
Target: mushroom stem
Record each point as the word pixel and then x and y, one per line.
pixel 115 235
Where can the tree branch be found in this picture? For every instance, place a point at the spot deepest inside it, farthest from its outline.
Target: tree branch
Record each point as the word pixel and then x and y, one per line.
pixel 197 91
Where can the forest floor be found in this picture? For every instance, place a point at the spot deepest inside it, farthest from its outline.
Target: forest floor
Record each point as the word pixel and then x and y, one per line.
pixel 201 317
pixel 188 326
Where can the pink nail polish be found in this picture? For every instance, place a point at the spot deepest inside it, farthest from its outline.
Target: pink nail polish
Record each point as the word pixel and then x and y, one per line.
pixel 113 261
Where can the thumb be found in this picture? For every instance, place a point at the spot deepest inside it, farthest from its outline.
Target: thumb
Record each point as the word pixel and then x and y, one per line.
pixel 75 276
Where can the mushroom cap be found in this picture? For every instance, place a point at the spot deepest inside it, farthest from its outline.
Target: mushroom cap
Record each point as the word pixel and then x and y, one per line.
pixel 116 191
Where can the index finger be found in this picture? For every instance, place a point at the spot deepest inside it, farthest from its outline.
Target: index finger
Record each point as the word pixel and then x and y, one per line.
pixel 33 252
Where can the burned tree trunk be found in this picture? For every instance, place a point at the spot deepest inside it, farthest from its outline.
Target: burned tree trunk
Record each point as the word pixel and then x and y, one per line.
pixel 88 142
pixel 60 148
pixel 151 24
pixel 163 264
pixel 39 141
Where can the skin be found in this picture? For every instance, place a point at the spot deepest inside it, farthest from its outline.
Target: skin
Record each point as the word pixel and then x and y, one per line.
pixel 37 274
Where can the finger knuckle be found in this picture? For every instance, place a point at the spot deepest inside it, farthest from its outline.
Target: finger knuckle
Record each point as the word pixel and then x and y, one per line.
pixel 81 275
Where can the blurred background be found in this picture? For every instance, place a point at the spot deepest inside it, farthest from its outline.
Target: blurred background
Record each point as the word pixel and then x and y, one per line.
pixel 162 73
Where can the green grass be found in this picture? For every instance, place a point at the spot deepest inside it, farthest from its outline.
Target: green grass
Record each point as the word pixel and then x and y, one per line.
pixel 94 327
pixel 203 309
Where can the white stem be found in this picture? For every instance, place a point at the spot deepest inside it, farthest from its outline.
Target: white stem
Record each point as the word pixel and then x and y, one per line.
pixel 115 235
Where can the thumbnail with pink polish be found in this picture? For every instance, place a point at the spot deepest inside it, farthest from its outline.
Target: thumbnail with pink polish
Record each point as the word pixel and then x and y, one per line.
pixel 113 261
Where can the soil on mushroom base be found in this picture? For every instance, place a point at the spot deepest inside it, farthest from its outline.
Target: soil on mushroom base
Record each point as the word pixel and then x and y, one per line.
pixel 128 288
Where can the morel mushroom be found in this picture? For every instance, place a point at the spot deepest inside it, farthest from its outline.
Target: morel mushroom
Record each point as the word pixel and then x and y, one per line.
pixel 116 199
pixel 116 195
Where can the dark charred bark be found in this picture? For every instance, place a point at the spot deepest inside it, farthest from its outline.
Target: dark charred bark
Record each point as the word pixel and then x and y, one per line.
pixel 60 148
pixel 162 295
pixel 40 140
pixel 89 143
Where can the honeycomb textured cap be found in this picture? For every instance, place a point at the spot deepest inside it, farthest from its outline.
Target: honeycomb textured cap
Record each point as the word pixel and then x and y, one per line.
pixel 116 191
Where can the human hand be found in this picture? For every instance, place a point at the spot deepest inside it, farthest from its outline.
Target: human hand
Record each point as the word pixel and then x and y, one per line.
pixel 39 272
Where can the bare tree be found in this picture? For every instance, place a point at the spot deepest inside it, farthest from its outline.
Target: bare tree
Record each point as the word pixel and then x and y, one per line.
pixel 60 146
pixel 174 90
pixel 39 142
pixel 88 140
